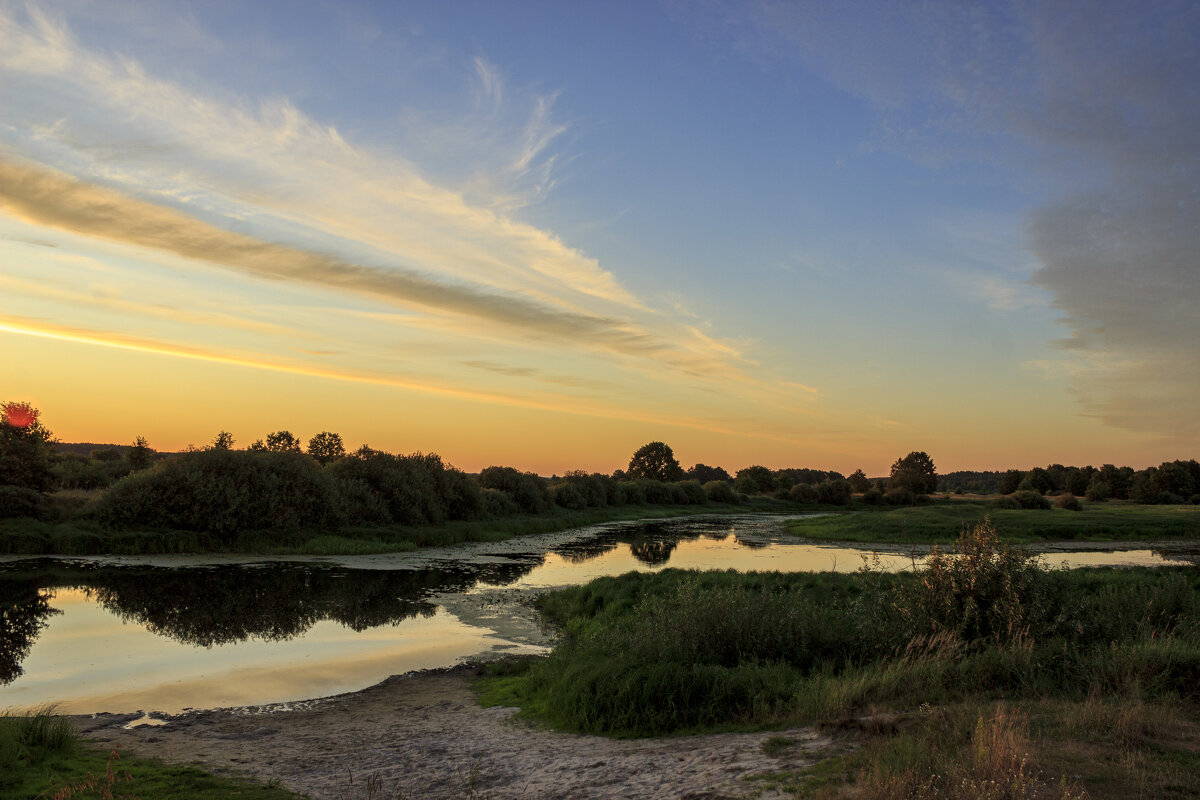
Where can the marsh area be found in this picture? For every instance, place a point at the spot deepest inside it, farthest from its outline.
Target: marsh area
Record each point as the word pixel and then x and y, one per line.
pixel 167 633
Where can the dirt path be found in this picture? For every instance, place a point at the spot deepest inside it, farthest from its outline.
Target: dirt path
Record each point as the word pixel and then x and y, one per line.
pixel 422 736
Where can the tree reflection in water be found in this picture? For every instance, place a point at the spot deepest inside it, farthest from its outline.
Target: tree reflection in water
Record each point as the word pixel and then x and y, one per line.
pixel 206 606
pixel 24 610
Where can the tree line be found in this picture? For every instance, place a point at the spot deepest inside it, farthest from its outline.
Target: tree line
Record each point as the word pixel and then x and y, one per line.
pixel 282 481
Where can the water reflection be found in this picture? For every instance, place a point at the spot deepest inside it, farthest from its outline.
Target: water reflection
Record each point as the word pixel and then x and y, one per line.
pixel 306 628
pixel 24 611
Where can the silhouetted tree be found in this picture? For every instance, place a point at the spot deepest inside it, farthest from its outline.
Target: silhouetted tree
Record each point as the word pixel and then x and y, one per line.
pixel 655 461
pixel 755 480
pixel 1011 481
pixel 139 454
pixel 26 447
pixel 222 441
pixel 915 472
pixel 704 473
pixel 326 447
pixel 859 482
pixel 282 442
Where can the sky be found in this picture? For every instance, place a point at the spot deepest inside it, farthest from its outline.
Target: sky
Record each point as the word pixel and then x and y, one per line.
pixel 543 234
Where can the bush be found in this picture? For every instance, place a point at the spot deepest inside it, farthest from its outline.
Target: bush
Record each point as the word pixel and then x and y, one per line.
pixel 661 494
pixel 694 492
pixel 17 501
pixel 632 493
pixel 873 497
pixel 417 489
pixel 223 491
pixel 527 490
pixel 497 504
pixel 1098 492
pixel 1030 499
pixel 1195 499
pixel 983 591
pixel 568 495
pixel 834 492
pixel 746 484
pixel 722 492
pixel 1068 501
pixel 900 496
pixel 803 493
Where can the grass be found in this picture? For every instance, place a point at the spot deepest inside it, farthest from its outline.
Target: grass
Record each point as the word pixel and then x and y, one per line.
pixel 984 674
pixel 42 757
pixel 23 536
pixel 941 522
pixel 1104 749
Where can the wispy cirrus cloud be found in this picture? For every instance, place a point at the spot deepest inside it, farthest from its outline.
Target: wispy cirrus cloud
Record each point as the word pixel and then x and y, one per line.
pixel 100 147
pixel 54 200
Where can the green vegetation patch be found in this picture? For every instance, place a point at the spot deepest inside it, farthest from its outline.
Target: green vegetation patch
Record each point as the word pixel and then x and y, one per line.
pixel 680 651
pixel 42 757
pixel 942 522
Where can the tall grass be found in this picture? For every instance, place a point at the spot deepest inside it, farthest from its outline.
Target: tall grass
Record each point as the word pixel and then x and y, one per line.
pixel 675 651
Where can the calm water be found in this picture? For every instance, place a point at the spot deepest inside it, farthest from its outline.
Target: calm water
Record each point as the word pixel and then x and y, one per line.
pixel 168 633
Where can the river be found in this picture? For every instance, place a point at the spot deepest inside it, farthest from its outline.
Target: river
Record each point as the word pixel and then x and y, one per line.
pixel 167 633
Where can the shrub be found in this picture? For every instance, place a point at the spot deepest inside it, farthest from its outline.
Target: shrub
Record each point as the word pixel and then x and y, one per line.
pixel 803 493
pixel 18 501
pixel 900 496
pixel 1098 492
pixel 983 591
pixel 1068 501
pixel 527 490
pixel 223 491
pixel 658 493
pixel 416 489
pixel 873 497
pixel 694 492
pixel 1195 499
pixel 497 504
pixel 1007 501
pixel 568 495
pixel 632 493
pixel 746 484
pixel 834 492
pixel 1030 499
pixel 721 492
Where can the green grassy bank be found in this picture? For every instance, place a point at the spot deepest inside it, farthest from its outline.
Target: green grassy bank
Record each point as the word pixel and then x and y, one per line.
pixel 24 536
pixel 42 757
pixel 924 658
pixel 941 522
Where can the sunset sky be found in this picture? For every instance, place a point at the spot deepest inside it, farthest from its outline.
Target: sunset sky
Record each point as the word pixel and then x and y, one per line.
pixel 543 234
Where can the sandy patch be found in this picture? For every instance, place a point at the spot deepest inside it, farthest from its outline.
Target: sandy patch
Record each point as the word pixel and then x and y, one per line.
pixel 422 735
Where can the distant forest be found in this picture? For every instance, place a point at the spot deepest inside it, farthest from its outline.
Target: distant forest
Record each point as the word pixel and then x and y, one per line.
pixel 281 482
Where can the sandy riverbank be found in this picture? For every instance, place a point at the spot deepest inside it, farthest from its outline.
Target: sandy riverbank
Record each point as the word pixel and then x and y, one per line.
pixel 422 735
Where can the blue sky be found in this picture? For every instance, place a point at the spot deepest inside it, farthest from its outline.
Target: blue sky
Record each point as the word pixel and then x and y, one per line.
pixel 797 234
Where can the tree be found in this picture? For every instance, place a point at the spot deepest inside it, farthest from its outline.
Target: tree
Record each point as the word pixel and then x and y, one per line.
pixel 25 448
pixel 1011 481
pixel 326 447
pixel 705 473
pixel 914 472
pixel 139 454
pixel 222 441
pixel 655 461
pixel 859 481
pixel 756 479
pixel 282 442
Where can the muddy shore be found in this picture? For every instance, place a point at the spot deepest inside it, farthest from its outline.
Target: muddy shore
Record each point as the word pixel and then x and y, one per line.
pixel 423 735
